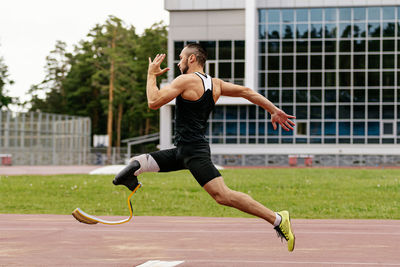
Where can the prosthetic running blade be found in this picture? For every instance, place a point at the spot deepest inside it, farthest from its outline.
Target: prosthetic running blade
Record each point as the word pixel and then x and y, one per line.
pixel 83 217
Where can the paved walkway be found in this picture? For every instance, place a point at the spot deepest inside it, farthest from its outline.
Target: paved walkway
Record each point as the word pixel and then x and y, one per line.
pixel 59 240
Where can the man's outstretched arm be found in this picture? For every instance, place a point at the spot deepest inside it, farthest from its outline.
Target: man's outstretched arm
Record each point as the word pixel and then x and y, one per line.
pixel 157 98
pixel 277 115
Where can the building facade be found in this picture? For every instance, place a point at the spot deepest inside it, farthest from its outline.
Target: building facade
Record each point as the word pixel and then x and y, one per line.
pixel 334 65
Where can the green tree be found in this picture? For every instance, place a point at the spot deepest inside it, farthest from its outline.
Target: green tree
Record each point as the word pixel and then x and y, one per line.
pixel 4 81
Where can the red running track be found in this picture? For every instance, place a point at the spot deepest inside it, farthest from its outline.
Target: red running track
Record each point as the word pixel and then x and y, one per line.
pixel 59 240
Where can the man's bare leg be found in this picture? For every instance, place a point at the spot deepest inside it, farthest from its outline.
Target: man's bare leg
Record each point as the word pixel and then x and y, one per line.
pixel 241 201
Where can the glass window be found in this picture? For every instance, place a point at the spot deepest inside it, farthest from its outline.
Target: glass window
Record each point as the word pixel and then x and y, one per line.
pixel 239 70
pixel 288 31
pixel 287 79
pixel 359 78
pixel 287 47
pixel 301 79
pixel 273 63
pixel 225 70
pixel 388 95
pixel 287 15
pixel 388 29
pixel 388 128
pixel 374 29
pixel 252 112
pixel 231 128
pixel 239 49
pixel 330 46
pixel 344 30
pixel 302 31
pixel 316 62
pixel 359 61
pixel 315 96
pixel 388 111
pixel 225 50
pixel 301 96
pixel 330 79
pixel 344 112
pixel 316 30
pixel 345 46
pixel 178 48
pixel 330 112
pixel 387 78
pixel 273 80
pixel 262 15
pixel 273 96
pixel 287 62
pixel 358 112
pixel 316 14
pixel 388 13
pixel 388 61
pixel 373 128
pixel 373 112
pixel 359 95
pixel 316 79
pixel 359 29
pixel 301 62
pixel 262 31
pixel 315 112
pixel 316 46
pixel 344 95
pixel 374 13
pixel 231 113
pixel 359 13
pixel 344 128
pixel 373 95
pixel 358 128
pixel 330 128
pixel 388 45
pixel 274 31
pixel 315 128
pixel 344 78
pixel 330 30
pixel 374 46
pixel 301 112
pixel 302 46
pixel 359 45
pixel 287 96
pixel 345 13
pixel 344 61
pixel 373 79
pixel 302 14
pixel 262 47
pixel 261 63
pixel 274 15
pixel 330 14
pixel 210 47
pixel 373 61
pixel 330 62
pixel 273 47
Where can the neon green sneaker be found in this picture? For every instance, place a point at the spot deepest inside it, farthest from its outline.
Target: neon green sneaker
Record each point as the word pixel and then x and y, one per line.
pixel 284 230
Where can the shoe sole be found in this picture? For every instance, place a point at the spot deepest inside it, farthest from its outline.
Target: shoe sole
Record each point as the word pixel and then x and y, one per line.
pixel 294 237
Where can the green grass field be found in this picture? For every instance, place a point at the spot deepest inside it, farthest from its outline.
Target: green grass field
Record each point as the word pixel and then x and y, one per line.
pixel 307 193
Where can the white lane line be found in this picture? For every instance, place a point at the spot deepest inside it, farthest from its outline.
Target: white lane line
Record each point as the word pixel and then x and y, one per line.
pixel 157 263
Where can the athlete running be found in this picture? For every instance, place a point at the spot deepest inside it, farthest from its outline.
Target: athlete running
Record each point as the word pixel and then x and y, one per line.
pixel 196 94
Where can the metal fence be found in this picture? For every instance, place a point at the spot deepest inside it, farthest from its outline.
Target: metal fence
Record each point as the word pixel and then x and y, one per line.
pixel 36 138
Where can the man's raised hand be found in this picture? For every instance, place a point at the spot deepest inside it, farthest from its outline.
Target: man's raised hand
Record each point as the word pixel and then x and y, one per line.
pixel 154 66
pixel 283 119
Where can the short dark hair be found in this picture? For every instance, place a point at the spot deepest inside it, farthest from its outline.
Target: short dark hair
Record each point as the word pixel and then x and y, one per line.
pixel 199 52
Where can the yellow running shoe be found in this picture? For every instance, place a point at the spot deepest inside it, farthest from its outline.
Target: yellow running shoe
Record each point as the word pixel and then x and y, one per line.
pixel 284 230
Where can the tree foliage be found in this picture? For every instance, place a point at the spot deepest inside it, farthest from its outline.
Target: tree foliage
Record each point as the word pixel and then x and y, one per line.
pixel 4 81
pixel 112 56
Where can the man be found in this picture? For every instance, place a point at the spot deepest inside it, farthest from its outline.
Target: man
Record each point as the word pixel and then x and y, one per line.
pixel 196 94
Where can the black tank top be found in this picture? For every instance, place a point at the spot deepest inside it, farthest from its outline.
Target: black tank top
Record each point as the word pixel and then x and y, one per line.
pixel 191 116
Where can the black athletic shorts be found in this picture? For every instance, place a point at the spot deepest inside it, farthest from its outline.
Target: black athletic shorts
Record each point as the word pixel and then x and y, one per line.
pixel 195 157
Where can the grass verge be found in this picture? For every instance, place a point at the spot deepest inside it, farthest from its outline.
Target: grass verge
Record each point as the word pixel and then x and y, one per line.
pixel 307 193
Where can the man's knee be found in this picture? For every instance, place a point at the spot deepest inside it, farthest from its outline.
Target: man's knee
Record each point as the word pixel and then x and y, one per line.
pixel 223 198
pixel 147 164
